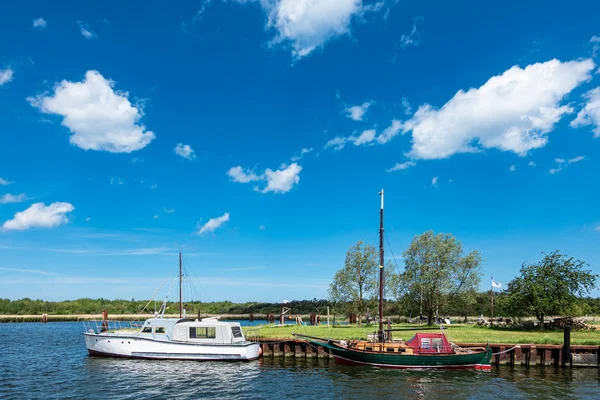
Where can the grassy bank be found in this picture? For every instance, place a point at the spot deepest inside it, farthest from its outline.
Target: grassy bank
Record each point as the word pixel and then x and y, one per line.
pixel 458 333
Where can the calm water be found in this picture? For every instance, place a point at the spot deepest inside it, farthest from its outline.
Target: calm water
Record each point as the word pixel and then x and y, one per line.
pixel 50 361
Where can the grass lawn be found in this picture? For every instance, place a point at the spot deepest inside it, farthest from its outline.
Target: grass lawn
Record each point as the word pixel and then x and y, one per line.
pixel 458 333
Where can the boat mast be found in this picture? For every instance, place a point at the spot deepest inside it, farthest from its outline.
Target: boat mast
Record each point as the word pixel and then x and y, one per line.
pixel 381 261
pixel 180 279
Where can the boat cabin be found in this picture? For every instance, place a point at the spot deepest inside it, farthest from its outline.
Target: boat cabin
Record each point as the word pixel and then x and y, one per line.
pixel 207 330
pixel 429 343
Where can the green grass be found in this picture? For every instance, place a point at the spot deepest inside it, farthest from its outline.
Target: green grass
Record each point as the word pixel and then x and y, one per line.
pixel 457 333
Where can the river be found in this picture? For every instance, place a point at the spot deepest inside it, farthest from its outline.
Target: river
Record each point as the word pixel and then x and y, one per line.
pixel 49 361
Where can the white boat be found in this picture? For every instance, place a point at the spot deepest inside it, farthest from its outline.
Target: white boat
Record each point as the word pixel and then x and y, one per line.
pixel 173 339
pixel 170 338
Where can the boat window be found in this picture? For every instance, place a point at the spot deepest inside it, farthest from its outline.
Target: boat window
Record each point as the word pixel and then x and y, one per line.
pixel 203 332
pixel 160 329
pixel 436 343
pixel 147 329
pixel 237 332
pixel 425 343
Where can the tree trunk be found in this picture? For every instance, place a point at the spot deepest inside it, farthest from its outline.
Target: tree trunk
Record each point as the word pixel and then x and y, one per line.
pixel 430 317
pixel 541 319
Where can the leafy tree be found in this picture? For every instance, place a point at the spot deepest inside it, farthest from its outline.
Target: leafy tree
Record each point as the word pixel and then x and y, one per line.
pixel 553 286
pixel 355 285
pixel 437 271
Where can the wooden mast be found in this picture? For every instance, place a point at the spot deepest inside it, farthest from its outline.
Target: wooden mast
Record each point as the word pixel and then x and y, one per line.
pixel 381 277
pixel 180 279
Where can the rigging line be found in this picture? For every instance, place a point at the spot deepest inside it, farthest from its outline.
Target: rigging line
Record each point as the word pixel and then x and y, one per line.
pixel 390 246
pixel 151 298
pixel 189 287
pixel 193 276
pixel 197 280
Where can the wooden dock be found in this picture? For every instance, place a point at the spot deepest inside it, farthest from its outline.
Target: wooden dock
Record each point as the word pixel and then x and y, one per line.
pixel 525 354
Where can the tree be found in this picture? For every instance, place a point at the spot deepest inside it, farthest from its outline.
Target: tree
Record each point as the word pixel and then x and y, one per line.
pixel 553 286
pixel 437 271
pixel 355 285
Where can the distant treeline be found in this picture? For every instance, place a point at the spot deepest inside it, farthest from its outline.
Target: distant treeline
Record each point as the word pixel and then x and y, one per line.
pixel 26 306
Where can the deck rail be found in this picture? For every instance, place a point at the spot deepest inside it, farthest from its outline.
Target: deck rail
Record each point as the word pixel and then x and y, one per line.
pixel 99 326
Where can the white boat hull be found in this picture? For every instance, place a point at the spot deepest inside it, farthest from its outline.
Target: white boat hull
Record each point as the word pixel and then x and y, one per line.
pixel 115 345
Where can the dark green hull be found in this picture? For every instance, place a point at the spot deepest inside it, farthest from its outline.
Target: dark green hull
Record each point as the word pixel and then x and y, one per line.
pixel 480 360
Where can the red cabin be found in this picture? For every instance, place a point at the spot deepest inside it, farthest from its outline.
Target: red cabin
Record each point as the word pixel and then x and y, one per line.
pixel 430 343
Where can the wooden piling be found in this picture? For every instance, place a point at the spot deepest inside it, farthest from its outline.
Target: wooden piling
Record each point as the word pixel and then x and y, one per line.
pixel 566 353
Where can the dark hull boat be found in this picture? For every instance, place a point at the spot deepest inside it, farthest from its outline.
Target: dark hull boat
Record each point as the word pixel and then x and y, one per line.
pixel 407 355
pixel 424 350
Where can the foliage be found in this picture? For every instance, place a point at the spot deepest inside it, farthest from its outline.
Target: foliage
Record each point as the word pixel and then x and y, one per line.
pixel 27 306
pixel 355 285
pixel 437 272
pixel 553 286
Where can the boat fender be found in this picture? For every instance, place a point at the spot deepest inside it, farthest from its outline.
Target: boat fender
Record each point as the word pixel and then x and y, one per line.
pixel 344 343
pixel 260 351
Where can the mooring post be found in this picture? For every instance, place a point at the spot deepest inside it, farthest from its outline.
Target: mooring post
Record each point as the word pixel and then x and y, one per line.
pixel 566 359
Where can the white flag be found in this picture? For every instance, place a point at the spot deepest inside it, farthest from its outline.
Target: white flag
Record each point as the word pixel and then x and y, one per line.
pixel 496 284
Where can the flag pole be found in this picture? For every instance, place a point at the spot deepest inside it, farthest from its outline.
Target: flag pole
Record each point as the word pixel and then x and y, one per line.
pixel 492 289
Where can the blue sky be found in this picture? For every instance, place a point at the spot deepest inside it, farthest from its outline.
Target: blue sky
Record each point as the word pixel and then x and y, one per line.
pixel 255 136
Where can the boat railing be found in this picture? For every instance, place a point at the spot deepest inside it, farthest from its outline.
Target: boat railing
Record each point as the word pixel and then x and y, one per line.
pixel 99 326
pixel 252 335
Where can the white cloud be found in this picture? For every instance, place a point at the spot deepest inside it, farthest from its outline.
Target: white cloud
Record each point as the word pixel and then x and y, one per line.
pixel 185 151
pixel 434 181
pixel 595 42
pixel 532 164
pixel 575 159
pixel 168 210
pixel 98 117
pixel 39 23
pixel 238 174
pixel 412 38
pixel 40 216
pixel 402 166
pixel 4 182
pixel 11 198
pixel 406 106
pixel 590 113
pixel 302 153
pixel 597 228
pixel 390 132
pixel 262 228
pixel 513 111
pixel 213 224
pixel 155 216
pixel 6 75
pixel 337 143
pixel 512 168
pixel 358 112
pixel 281 180
pixel 308 24
pixel 85 30
pixel 115 180
pixel 185 26
pixel 88 219
pixel 278 181
pixel 365 137
pixel 154 186
pixel 563 163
